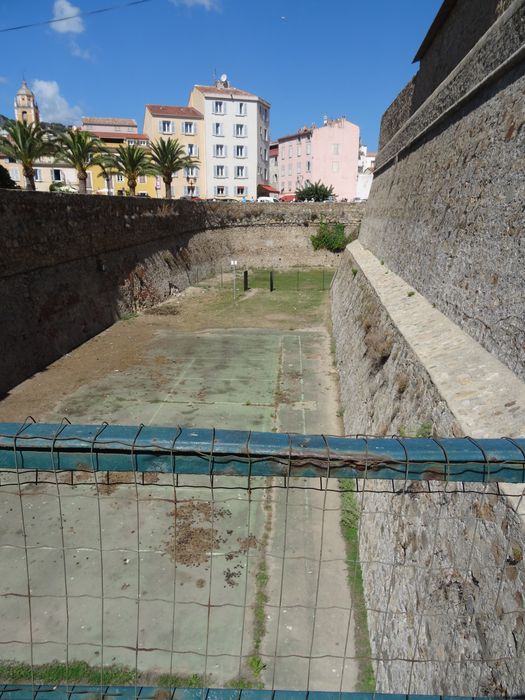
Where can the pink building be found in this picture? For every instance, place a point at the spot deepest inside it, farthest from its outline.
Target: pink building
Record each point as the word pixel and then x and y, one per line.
pixel 328 153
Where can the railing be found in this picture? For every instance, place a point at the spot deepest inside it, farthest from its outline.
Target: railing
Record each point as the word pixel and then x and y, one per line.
pixel 100 526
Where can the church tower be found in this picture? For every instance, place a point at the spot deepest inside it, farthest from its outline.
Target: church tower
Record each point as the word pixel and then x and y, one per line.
pixel 26 108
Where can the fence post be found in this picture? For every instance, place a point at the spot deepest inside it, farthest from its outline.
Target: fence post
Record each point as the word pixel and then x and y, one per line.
pixel 245 280
pixel 323 280
pixel 271 280
pixel 297 280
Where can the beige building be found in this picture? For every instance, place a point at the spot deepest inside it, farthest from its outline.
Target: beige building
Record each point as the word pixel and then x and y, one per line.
pixel 187 126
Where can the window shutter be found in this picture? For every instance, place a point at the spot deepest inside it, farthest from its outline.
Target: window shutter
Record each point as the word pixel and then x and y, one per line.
pixel 160 126
pixel 225 151
pixel 197 191
pixel 196 151
pixel 245 151
pixel 225 171
pixel 245 171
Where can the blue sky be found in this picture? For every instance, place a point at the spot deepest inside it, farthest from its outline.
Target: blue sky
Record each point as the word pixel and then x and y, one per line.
pixel 307 57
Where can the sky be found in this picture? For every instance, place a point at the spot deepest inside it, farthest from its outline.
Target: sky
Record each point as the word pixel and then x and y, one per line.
pixel 308 58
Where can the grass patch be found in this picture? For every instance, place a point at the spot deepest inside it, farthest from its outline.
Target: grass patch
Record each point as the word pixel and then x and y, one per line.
pixel 56 672
pixel 291 280
pixel 128 316
pixel 349 527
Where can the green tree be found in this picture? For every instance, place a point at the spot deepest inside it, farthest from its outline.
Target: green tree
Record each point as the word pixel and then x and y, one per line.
pixel 5 179
pixel 132 162
pixel 168 156
pixel 26 143
pixel 78 149
pixel 315 191
pixel 105 162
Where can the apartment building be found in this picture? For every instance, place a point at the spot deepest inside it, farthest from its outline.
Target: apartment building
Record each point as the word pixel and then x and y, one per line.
pixel 328 153
pixel 273 165
pixel 186 124
pixel 236 139
pixel 114 132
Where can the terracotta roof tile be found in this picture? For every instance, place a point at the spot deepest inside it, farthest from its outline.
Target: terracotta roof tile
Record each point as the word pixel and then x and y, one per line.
pixel 174 111
pixel 119 135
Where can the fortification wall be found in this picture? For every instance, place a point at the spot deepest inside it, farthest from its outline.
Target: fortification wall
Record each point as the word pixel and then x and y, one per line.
pixel 443 569
pixel 71 265
pixel 446 206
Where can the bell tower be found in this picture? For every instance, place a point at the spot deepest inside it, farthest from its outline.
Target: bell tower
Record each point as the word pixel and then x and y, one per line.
pixel 26 108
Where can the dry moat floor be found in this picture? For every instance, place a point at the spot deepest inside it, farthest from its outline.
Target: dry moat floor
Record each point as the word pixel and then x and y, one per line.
pixel 164 578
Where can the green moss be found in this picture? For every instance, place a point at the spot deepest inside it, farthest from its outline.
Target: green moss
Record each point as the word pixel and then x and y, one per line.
pixel 349 527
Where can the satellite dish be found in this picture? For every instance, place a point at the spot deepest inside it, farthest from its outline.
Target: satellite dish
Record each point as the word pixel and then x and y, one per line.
pixel 224 78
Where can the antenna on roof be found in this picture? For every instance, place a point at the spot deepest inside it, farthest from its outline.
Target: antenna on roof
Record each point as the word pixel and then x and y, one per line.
pixel 214 76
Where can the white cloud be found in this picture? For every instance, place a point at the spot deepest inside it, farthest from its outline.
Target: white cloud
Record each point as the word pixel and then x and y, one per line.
pixel 79 52
pixel 206 4
pixel 53 107
pixel 62 9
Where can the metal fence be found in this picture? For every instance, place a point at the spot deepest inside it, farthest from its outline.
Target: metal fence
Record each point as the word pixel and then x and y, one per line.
pixel 140 560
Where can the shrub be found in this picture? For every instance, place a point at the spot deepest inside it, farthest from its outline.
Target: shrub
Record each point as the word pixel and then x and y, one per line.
pixel 5 179
pixel 332 237
pixel 315 192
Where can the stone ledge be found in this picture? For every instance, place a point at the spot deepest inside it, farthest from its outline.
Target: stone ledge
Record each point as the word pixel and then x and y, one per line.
pixel 487 398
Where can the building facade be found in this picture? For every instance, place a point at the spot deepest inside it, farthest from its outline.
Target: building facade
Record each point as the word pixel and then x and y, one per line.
pixel 236 139
pixel 273 165
pixel 186 124
pixel 328 154
pixel 365 172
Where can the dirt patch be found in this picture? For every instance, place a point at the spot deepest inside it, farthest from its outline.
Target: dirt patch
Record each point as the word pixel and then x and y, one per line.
pixel 194 534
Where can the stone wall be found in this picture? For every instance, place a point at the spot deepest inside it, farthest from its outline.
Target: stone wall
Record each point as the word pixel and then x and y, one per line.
pixel 443 569
pixel 446 206
pixel 71 265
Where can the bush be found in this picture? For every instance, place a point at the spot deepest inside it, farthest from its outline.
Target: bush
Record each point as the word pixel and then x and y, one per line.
pixel 5 179
pixel 332 237
pixel 315 192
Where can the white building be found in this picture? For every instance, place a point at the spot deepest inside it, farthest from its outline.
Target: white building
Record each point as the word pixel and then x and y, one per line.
pixel 365 172
pixel 237 129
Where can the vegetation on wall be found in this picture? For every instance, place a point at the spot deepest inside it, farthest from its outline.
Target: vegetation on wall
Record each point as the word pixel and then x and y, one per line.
pixel 331 237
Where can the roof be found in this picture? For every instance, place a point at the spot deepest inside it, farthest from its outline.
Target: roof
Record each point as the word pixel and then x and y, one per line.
pixel 174 111
pixel 439 21
pixel 108 121
pixel 301 132
pixel 227 91
pixel 24 90
pixel 120 135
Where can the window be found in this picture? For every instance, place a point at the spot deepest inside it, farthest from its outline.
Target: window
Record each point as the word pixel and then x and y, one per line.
pixel 265 134
pixel 56 175
pixel 219 150
pixel 298 167
pixel 142 180
pixel 308 166
pixel 335 166
pixel 189 128
pixel 119 178
pixel 289 168
pixel 166 126
pixel 219 171
pixel 308 148
pixel 289 186
pixel 14 173
pixel 217 129
pixel 265 153
pixel 241 109
pixel 240 130
pixel 218 107
pixel 289 151
pixel 131 142
pixel 221 190
pixel 298 150
pixel 191 191
pixel 191 171
pixel 240 171
pixel 335 149
pixel 192 150
pixel 283 169
pixel 240 151
pixel 240 191
pixel 143 143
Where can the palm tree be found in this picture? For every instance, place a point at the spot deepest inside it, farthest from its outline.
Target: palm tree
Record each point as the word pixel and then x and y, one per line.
pixel 79 150
pixel 132 162
pixel 26 143
pixel 168 156
pixel 104 161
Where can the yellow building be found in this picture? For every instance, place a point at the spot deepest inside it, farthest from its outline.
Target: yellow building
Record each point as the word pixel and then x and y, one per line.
pixel 114 132
pixel 187 126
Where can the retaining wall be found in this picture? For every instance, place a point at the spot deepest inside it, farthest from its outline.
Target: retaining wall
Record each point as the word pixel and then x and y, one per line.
pixel 71 265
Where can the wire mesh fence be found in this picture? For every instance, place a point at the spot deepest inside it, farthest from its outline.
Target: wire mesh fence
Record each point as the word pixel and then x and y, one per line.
pixel 141 557
pixel 299 280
